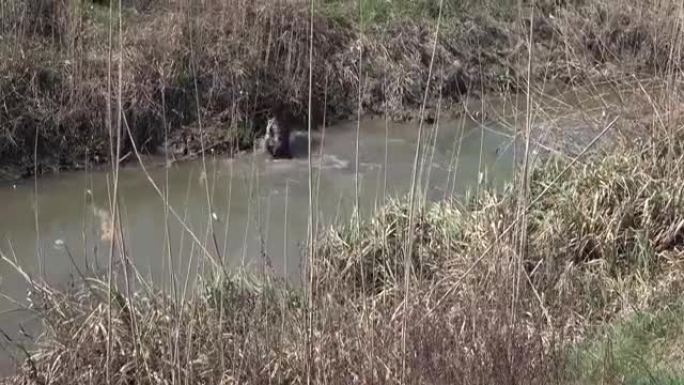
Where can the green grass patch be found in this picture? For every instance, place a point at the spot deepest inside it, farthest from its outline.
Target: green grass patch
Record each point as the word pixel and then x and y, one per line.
pixel 647 348
pixel 382 12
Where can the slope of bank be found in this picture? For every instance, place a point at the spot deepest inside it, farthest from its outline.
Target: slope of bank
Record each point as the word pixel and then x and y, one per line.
pixel 214 71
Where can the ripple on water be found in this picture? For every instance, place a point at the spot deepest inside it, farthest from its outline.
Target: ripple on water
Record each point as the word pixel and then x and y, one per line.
pixel 333 162
pixel 327 162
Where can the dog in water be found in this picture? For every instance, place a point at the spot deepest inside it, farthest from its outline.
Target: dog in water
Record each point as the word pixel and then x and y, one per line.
pixel 277 138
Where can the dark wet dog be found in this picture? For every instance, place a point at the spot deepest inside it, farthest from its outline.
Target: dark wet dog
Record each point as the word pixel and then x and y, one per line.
pixel 277 138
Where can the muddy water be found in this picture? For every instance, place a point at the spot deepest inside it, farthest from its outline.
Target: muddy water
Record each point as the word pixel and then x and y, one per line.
pixel 255 212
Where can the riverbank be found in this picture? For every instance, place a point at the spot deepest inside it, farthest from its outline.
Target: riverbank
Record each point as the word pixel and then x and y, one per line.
pixel 211 73
pixel 601 267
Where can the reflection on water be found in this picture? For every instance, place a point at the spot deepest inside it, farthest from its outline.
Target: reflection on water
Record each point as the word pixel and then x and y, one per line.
pixel 255 202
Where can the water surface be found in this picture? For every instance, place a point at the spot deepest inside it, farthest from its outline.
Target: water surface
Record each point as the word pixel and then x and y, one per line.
pixel 255 212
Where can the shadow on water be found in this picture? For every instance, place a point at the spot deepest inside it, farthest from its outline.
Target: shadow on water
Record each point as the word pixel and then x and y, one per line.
pixel 299 144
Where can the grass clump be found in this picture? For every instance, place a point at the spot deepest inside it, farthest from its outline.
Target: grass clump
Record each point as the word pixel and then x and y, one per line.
pixel 373 13
pixel 645 348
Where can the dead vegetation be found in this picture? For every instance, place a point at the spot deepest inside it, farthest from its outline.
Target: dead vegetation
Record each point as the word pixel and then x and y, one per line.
pixel 244 58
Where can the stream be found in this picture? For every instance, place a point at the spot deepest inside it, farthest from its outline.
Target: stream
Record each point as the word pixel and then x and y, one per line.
pixel 250 210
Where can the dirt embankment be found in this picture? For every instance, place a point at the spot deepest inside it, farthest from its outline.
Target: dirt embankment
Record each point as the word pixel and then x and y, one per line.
pixel 222 67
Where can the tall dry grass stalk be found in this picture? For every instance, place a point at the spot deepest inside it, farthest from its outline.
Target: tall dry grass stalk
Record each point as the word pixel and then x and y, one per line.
pixel 195 74
pixel 114 157
pixel 523 187
pixel 312 223
pixel 412 198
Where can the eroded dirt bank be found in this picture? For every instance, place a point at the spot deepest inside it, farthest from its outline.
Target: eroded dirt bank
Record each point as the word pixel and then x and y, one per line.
pixel 222 67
